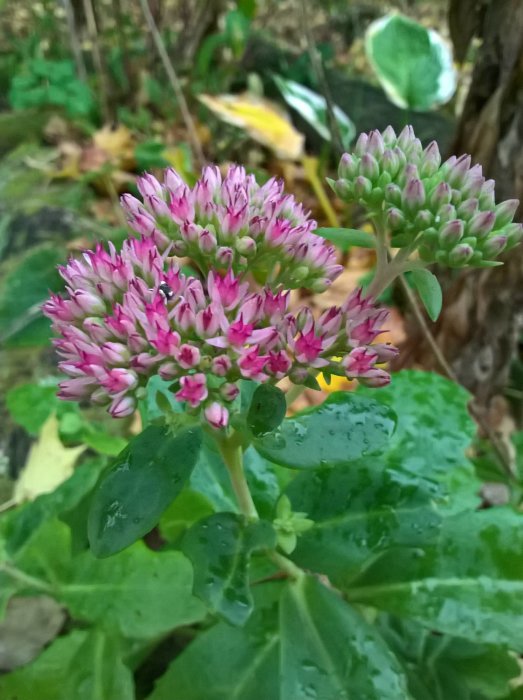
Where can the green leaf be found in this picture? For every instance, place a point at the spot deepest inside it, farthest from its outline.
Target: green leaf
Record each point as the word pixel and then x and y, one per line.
pixel 211 479
pixel 230 663
pixel 312 645
pixel 434 429
pixel 313 108
pixel 468 584
pixel 149 155
pixel 449 667
pixel 345 238
pixel 30 405
pixel 330 651
pixel 22 292
pixel 22 524
pixel 413 64
pixel 138 593
pixel 97 671
pixel 159 400
pixel 219 548
pixel 359 513
pixel 344 428
pixel 46 676
pixel 267 409
pixel 429 291
pixel 146 477
pixel 184 511
pixel 262 481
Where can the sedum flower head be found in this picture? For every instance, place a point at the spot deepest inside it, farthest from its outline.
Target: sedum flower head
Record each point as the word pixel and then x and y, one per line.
pixel 232 223
pixel 445 210
pixel 132 314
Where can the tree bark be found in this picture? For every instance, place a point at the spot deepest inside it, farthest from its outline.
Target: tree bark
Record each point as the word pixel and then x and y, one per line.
pixel 479 327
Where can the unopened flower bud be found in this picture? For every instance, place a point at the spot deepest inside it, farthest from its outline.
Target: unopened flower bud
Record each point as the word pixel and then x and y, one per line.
pixel 468 209
pixel 384 180
pixel 320 285
pixel 514 233
pixel 375 144
pixel 473 182
pixel 451 233
pixel 224 256
pixel 217 415
pixel 393 194
pixel 446 213
pixel 343 189
pixel 460 254
pixel 229 391
pixel 179 248
pixel 348 167
pixel 423 219
pixel 369 167
pixel 246 246
pixel 486 196
pixel 221 365
pixel 389 136
pixel 148 186
pixel 481 224
pixel 362 186
pixel 360 146
pixel 395 219
pixel 493 246
pixel 406 137
pixel 458 171
pixel 207 242
pixel 441 195
pixel 390 162
pixel 158 206
pixel 300 273
pixel 122 407
pixel 413 196
pixel 505 212
pixel 431 160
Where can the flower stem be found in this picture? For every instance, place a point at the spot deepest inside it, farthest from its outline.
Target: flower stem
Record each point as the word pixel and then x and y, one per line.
pixel 286 565
pixel 232 454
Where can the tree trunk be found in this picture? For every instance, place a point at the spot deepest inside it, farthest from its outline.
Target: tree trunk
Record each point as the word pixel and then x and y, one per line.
pixel 479 327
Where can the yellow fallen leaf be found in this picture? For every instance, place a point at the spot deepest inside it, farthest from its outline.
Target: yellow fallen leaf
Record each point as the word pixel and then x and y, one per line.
pixel 118 143
pixel 49 464
pixel 265 122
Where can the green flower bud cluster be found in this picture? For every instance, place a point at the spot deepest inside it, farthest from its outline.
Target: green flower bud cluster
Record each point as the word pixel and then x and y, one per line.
pixel 447 211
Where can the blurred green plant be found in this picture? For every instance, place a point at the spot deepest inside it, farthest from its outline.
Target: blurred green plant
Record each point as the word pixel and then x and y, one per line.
pixel 42 82
pixel 313 108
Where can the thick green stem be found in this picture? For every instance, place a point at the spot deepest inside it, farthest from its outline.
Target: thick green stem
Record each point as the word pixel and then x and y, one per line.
pixel 285 565
pixel 232 454
pixel 388 270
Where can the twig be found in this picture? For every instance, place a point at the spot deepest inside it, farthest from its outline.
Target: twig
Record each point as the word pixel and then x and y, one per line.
pixel 97 58
pixel 474 409
pixel 174 81
pixel 317 66
pixel 74 41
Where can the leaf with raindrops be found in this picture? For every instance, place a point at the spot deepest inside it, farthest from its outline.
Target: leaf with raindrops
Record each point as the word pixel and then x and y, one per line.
pixel 344 428
pixel 219 548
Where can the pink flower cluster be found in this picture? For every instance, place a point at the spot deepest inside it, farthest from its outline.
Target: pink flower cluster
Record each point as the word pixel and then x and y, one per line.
pixel 133 314
pixel 234 223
